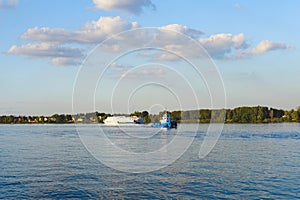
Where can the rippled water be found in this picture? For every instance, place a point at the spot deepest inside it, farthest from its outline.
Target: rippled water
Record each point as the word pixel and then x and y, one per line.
pixel 249 161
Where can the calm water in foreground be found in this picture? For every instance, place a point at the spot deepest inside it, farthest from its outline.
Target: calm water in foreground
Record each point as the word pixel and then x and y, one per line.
pixel 248 162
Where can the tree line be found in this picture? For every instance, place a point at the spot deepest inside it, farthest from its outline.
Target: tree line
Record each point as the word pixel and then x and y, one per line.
pixel 257 114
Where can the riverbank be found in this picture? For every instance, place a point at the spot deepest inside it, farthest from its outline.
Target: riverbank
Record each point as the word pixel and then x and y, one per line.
pixel 256 115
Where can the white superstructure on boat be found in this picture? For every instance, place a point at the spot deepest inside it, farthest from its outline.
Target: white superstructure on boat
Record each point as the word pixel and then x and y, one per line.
pixel 123 120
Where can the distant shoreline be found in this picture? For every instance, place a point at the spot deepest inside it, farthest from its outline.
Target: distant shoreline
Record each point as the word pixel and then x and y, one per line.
pixel 239 115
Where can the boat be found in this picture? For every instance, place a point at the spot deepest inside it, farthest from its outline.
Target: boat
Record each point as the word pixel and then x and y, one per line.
pixel 138 120
pixel 166 122
pixel 123 120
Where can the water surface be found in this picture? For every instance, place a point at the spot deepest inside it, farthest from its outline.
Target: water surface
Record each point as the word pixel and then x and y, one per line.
pixel 249 161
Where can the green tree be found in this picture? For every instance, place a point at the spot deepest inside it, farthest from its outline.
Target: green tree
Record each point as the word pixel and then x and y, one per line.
pixel 205 114
pixel 154 118
pixel 295 116
pixel 9 119
pixel 218 116
pixel 3 119
pixel 176 115
pixel 262 113
pixel 69 118
pixel 244 115
pixel 136 113
pixel 229 114
pixel 146 117
pixel 186 115
pixel 56 118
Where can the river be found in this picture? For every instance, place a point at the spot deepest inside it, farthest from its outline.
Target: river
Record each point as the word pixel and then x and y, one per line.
pixel 249 161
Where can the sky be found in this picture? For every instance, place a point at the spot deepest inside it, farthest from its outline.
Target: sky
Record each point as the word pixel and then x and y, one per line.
pixel 118 56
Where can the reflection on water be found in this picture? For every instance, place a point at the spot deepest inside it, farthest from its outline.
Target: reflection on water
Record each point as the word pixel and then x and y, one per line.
pixel 249 161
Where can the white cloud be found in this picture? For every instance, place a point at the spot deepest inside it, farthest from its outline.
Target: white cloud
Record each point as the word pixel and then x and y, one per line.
pixel 45 50
pixel 51 42
pixel 181 29
pixel 174 44
pixel 92 32
pixel 178 51
pixel 45 34
pixel 219 45
pixel 130 6
pixel 58 55
pixel 66 61
pixel 266 46
pixel 239 41
pixel 110 25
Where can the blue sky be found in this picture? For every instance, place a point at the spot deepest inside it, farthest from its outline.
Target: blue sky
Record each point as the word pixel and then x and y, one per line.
pixel 254 45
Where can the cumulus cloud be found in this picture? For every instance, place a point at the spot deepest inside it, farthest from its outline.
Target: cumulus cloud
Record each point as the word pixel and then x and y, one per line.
pixel 6 4
pixel 266 46
pixel 51 40
pixel 130 6
pixel 92 32
pixel 66 61
pixel 219 45
pixel 54 43
pixel 58 55
pixel 96 31
pixel 174 52
pixel 45 34
pixel 45 50
pixel 181 29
